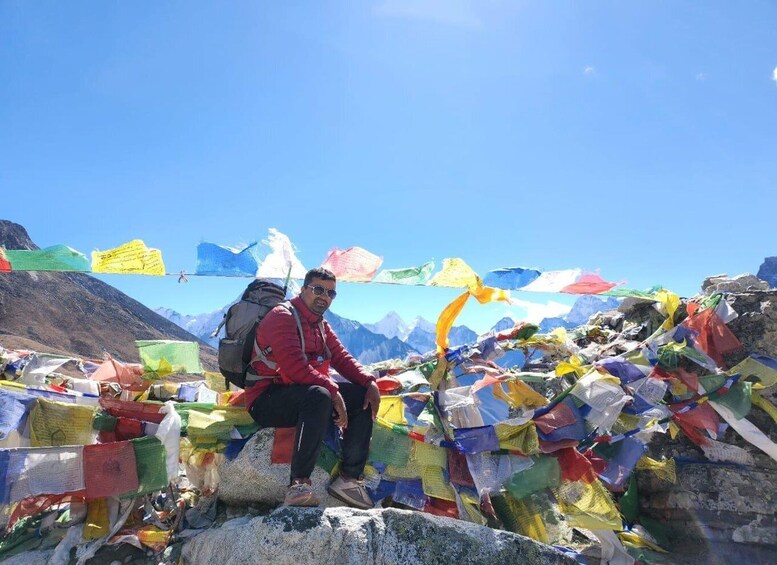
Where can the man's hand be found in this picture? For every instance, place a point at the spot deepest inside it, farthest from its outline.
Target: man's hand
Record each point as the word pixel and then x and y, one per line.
pixel 372 399
pixel 341 415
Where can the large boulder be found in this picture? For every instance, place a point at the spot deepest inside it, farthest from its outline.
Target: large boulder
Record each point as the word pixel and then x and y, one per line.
pixel 252 479
pixel 740 283
pixel 768 271
pixel 345 536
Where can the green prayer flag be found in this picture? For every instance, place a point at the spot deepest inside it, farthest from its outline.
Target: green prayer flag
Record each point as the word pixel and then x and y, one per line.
pixel 164 357
pixel 389 447
pixel 327 459
pixel 546 472
pixel 104 422
pixel 428 368
pixel 738 399
pixel 150 456
pixel 54 258
pixel 412 275
pixel 629 502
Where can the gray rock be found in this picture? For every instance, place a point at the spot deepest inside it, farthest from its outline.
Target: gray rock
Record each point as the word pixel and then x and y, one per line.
pixel 251 478
pixel 39 557
pixel 345 536
pixel 740 283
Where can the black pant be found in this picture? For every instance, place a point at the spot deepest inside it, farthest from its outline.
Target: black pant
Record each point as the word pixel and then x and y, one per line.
pixel 309 408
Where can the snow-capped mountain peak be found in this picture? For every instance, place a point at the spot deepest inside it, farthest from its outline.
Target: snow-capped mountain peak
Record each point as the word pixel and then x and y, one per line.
pixel 391 325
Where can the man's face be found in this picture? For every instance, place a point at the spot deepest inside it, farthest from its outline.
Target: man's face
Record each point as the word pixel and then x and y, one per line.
pixel 316 299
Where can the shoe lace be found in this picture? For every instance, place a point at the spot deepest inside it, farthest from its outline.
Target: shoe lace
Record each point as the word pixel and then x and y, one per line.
pixel 300 488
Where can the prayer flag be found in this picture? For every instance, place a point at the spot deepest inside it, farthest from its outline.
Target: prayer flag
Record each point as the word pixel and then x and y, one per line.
pixel 54 258
pixel 353 264
pixel 131 258
pixel 510 279
pixel 622 464
pixel 588 284
pixel 455 273
pixel 167 356
pixel 544 473
pixel 15 408
pixel 5 266
pixel 553 281
pixel 588 505
pixel 412 275
pixel 55 423
pixel 43 470
pixel 220 260
pixel 475 440
pixel 110 469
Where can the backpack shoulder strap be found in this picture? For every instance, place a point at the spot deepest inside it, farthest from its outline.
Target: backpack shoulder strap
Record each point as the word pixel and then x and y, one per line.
pixel 221 325
pixel 323 336
pixel 261 355
pixel 294 313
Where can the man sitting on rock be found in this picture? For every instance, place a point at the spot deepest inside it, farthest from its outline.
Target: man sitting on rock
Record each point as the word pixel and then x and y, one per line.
pixel 288 385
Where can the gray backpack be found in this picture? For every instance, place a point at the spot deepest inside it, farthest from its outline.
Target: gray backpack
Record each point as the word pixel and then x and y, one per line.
pixel 240 323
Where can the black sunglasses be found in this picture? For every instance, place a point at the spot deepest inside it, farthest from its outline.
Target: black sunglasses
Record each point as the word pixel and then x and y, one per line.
pixel 320 290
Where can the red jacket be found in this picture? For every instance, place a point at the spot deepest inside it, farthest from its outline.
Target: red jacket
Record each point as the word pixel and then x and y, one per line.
pixel 278 331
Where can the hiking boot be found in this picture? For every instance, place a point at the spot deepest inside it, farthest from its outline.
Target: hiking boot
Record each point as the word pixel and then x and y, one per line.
pixel 300 493
pixel 351 491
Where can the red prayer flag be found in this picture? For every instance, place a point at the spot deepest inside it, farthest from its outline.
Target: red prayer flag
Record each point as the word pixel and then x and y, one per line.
pixel 588 284
pixel 283 445
pixel 714 338
pixel 458 469
pixel 109 469
pixel 574 465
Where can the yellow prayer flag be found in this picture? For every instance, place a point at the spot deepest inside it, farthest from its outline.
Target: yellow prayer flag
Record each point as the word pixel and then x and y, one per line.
pixel 410 471
pixel 521 438
pixel 764 405
pixel 482 294
pixel 97 524
pixel 664 470
pixel 446 319
pixel 588 506
pixel 59 423
pixel 392 409
pixel 428 455
pixel 519 394
pixel 472 508
pixel 630 538
pixel 130 258
pixel 435 485
pixel 455 273
pixel 574 365
pixel 560 335
pixel 670 301
pixel 528 519
pixel 749 367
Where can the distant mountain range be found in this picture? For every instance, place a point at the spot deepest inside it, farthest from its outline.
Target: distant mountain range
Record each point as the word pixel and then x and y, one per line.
pixel 392 338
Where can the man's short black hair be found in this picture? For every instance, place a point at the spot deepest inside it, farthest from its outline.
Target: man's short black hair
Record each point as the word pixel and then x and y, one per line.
pixel 319 273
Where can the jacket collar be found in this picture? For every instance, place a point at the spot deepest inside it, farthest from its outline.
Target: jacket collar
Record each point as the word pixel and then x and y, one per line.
pixel 306 313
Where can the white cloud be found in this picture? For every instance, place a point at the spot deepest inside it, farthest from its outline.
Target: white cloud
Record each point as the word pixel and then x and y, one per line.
pixel 589 71
pixel 774 74
pixel 535 312
pixel 701 76
pixel 459 13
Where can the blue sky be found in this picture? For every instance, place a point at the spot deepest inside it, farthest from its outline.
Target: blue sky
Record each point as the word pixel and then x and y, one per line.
pixel 636 138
